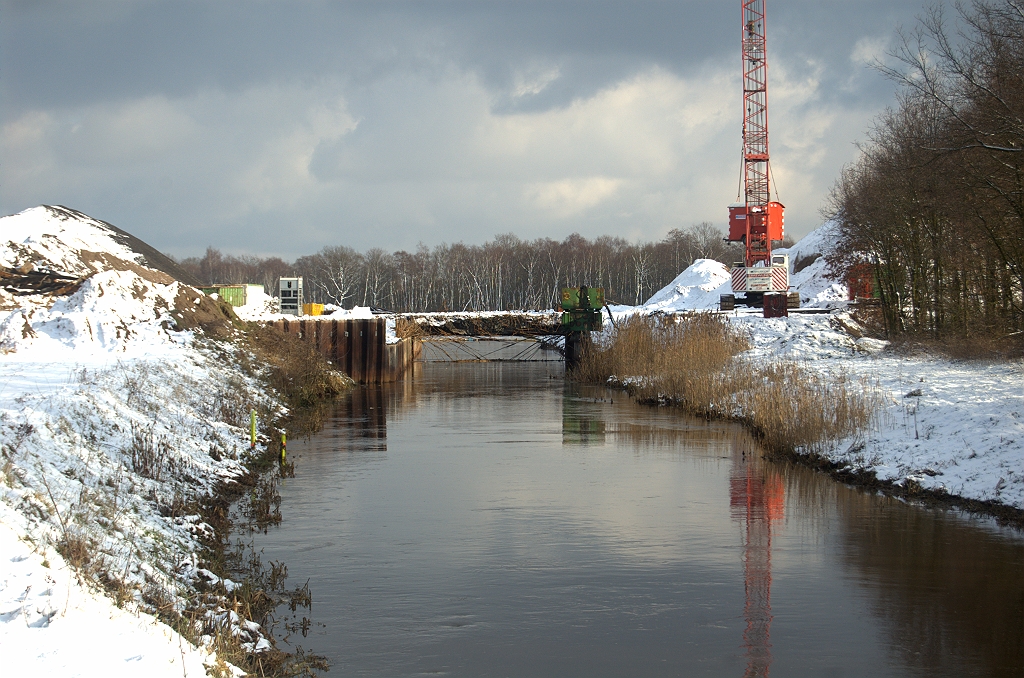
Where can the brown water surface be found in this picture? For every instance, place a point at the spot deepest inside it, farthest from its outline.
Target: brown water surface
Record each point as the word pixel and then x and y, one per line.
pixel 492 520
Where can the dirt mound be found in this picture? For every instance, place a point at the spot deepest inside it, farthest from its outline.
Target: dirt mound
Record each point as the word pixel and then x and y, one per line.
pixel 194 310
pixel 147 255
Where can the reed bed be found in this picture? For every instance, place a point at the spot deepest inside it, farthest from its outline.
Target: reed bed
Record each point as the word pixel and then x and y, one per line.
pixel 693 362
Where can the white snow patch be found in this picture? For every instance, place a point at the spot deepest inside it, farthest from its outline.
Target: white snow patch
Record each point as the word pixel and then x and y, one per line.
pixel 700 286
pixel 258 306
pixel 696 288
pixel 53 625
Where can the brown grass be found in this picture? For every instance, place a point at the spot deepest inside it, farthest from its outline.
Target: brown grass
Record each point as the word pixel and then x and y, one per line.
pixel 296 369
pixel 406 328
pixel 692 362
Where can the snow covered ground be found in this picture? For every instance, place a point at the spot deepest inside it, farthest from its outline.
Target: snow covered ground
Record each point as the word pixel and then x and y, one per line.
pixel 111 422
pixel 52 625
pixel 950 426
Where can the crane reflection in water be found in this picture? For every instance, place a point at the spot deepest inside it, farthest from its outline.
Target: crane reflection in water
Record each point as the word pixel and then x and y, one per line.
pixel 756 501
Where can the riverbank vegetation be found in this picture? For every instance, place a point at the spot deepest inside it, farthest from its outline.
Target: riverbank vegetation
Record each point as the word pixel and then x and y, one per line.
pixel 236 593
pixel 934 207
pixel 302 378
pixel 693 362
pixel 293 368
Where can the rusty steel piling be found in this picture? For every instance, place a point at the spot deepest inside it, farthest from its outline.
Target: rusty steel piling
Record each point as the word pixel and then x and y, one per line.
pixel 357 347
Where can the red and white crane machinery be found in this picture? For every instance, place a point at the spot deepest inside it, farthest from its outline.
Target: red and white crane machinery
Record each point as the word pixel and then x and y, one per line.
pixel 758 220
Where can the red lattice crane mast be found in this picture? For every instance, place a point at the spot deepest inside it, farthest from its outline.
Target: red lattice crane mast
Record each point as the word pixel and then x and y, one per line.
pixel 757 220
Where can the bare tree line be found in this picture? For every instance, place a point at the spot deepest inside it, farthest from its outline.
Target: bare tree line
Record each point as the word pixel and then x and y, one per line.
pixel 503 274
pixel 935 204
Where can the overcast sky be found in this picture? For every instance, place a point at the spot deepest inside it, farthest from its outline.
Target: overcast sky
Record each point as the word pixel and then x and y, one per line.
pixel 282 127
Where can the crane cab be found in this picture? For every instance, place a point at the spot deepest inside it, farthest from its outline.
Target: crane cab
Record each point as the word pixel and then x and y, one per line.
pixel 770 218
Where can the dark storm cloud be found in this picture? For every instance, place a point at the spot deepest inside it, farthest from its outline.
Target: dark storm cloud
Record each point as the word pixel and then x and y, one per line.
pixel 65 54
pixel 407 121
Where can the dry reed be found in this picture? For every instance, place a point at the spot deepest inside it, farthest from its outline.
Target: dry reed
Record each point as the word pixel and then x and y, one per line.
pixel 692 361
pixel 295 369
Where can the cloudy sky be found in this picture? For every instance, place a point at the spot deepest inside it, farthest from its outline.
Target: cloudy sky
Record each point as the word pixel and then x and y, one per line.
pixel 282 127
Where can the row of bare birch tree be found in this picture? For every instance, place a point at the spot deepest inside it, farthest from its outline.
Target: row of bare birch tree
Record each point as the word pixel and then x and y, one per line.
pixel 502 274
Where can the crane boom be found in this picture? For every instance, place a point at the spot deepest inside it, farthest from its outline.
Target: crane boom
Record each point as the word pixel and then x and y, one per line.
pixel 757 220
pixel 757 191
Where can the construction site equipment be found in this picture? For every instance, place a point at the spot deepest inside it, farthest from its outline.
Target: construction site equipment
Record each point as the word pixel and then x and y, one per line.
pixel 755 219
pixel 312 309
pixel 861 282
pixel 290 295
pixel 582 315
pixel 236 295
pixel 582 308
pixel 776 305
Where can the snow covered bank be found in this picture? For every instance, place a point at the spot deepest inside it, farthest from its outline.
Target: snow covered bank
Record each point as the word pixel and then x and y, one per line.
pixel 946 426
pixel 114 422
pixel 53 625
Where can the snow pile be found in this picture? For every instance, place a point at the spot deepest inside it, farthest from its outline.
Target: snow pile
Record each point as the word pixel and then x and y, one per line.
pixel 696 288
pixel 114 420
pixel 354 313
pixel 259 306
pixel 121 306
pixel 817 289
pixel 64 241
pixel 112 311
pixel 700 286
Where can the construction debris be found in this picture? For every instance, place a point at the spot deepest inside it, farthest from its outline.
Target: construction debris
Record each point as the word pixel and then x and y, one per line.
pixel 482 325
pixel 26 280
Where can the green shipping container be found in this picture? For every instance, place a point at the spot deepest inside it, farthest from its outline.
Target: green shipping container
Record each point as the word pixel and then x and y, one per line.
pixel 233 294
pixel 236 295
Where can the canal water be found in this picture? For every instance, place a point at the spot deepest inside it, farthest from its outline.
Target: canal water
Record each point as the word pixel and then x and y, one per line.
pixel 491 519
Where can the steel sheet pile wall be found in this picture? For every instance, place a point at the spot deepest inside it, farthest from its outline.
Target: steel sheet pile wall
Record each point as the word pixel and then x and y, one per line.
pixel 356 347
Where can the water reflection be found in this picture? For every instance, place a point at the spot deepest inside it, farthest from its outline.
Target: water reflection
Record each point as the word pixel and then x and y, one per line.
pixel 363 414
pixel 520 526
pixel 582 424
pixel 756 501
pixel 950 592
